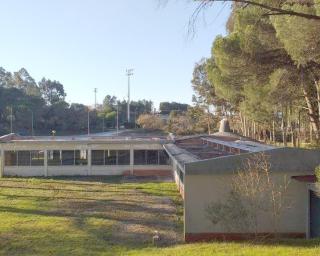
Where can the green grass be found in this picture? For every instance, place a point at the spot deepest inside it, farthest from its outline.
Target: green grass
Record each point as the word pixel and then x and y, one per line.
pixel 109 216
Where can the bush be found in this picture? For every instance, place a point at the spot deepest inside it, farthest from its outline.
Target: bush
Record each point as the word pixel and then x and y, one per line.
pixel 151 122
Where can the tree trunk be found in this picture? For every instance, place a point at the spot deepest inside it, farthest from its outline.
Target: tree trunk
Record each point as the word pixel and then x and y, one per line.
pixel 273 132
pixel 312 108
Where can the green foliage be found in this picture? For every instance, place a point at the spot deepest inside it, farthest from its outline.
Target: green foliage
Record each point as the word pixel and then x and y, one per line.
pixel 45 101
pixel 317 173
pixel 167 107
pixel 299 36
pixel 268 67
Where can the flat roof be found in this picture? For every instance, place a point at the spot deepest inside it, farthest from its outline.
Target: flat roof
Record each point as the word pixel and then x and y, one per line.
pixel 199 148
pixel 125 136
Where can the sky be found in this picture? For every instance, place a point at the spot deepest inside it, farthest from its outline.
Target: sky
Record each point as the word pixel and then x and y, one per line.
pixel 87 44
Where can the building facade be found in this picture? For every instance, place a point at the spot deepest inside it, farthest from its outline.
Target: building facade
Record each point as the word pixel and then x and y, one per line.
pixel 67 156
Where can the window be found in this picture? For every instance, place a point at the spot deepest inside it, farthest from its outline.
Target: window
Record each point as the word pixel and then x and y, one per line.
pixel 67 157
pixel 152 157
pixel 24 158
pixel 81 157
pixel 37 158
pixel 10 158
pixel 123 157
pixel 54 157
pixel 111 157
pixel 164 158
pixel 140 157
pixel 97 157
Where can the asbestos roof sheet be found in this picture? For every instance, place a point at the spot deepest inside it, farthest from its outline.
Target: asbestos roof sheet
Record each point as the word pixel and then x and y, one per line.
pixel 180 155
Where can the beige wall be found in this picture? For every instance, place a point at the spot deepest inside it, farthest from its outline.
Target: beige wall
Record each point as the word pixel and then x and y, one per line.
pixel 201 190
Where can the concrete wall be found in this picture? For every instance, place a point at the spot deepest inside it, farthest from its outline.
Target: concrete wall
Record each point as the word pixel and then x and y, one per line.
pixel 201 190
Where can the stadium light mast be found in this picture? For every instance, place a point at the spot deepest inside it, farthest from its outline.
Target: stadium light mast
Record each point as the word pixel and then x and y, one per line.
pixel 95 97
pixel 129 73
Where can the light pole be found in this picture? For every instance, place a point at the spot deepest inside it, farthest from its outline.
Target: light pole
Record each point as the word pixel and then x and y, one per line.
pixel 95 97
pixel 118 118
pixel 32 119
pixel 11 120
pixel 129 73
pixel 88 121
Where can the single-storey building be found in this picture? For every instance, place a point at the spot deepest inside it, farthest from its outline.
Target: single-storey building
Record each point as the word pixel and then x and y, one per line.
pixel 83 155
pixel 203 168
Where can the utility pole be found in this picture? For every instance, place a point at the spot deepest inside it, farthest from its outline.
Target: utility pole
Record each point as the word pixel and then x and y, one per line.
pixel 11 120
pixel 32 118
pixel 95 97
pixel 88 121
pixel 129 73
pixel 117 118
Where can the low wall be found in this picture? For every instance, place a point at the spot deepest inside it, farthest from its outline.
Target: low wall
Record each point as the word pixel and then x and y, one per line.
pixel 84 170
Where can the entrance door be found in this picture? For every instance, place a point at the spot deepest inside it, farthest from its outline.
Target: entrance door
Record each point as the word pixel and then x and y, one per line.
pixel 314 215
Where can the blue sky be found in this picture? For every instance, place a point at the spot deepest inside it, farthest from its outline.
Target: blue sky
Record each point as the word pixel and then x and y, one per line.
pixel 87 44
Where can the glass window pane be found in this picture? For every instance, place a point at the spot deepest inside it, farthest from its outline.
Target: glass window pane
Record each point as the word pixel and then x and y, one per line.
pixel 111 157
pixel 81 157
pixel 97 157
pixel 140 157
pixel 37 158
pixel 10 158
pixel 54 157
pixel 67 157
pixel 24 158
pixel 164 158
pixel 123 157
pixel 152 157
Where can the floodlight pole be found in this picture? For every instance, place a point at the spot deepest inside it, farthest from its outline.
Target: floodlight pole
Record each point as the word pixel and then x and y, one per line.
pixel 129 73
pixel 95 97
pixel 88 121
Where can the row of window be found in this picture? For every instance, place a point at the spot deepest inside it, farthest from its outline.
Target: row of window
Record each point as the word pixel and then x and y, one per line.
pixel 80 157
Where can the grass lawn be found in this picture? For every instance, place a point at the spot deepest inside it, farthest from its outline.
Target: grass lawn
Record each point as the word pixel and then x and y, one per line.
pixel 109 216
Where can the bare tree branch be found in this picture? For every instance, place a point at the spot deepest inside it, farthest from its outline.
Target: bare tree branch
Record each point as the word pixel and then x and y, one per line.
pixel 276 10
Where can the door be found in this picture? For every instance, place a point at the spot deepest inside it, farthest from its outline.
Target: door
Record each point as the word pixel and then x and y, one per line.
pixel 314 215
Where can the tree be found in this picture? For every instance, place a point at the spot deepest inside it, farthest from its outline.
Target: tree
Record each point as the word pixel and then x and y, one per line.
pixel 167 107
pixel 269 7
pixel 151 122
pixel 52 91
pixel 261 77
pixel 205 92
